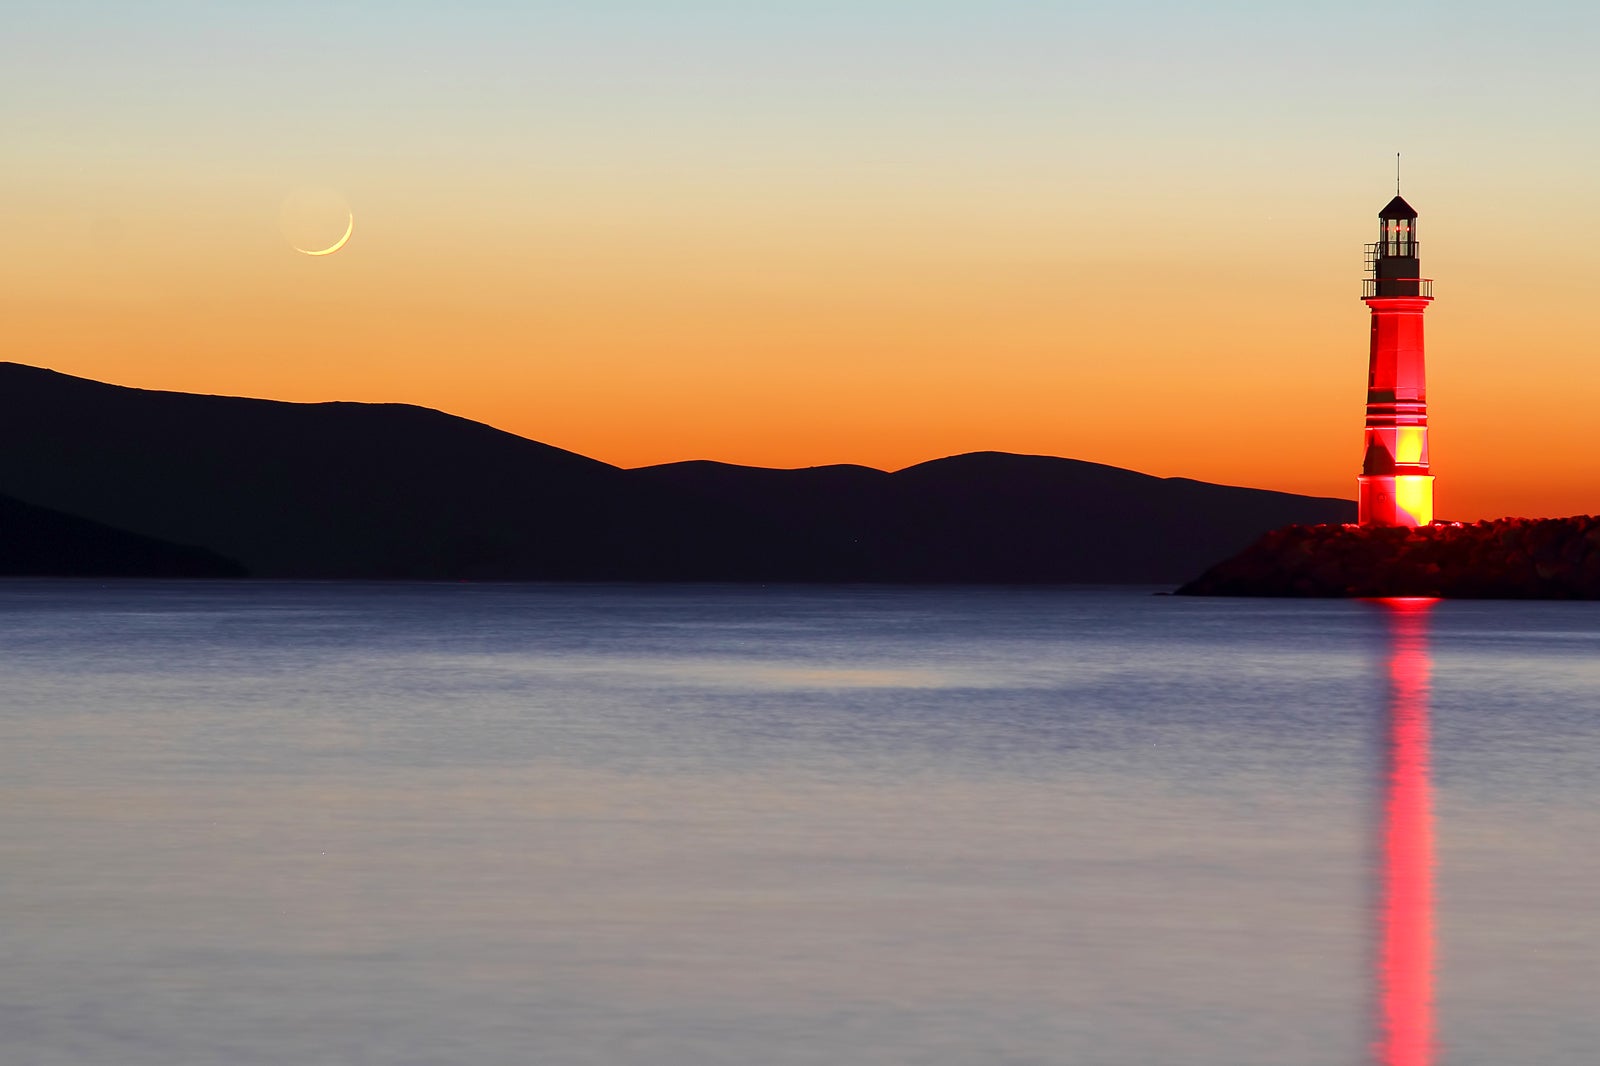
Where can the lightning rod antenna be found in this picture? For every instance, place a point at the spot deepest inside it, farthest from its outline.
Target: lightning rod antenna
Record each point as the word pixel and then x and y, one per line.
pixel 1397 173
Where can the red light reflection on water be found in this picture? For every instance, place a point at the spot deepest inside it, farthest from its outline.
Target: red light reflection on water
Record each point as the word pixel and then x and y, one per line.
pixel 1405 963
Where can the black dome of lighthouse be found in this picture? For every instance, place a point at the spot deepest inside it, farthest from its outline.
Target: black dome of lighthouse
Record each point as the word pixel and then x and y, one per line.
pixel 1397 208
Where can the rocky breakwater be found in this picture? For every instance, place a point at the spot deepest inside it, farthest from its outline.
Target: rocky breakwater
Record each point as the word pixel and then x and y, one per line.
pixel 1507 558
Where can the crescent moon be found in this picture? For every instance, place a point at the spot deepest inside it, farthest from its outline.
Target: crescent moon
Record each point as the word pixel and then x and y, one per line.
pixel 349 228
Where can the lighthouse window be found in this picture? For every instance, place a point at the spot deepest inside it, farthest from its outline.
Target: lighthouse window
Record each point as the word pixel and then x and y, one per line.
pixel 1398 236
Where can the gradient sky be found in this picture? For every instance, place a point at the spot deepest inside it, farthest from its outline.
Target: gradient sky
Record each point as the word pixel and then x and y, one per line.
pixel 788 233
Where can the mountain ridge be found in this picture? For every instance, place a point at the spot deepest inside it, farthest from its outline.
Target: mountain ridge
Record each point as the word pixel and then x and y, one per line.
pixel 350 489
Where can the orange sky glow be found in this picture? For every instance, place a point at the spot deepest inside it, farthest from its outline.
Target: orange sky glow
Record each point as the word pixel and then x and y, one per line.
pixel 812 272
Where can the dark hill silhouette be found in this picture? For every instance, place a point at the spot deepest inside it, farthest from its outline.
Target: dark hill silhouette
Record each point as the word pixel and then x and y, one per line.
pixel 389 490
pixel 995 517
pixel 38 542
pixel 309 490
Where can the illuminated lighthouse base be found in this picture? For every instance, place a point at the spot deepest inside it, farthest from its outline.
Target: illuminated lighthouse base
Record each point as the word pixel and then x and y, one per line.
pixel 1396 499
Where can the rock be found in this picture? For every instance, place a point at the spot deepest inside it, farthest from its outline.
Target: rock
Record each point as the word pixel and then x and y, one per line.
pixel 1508 558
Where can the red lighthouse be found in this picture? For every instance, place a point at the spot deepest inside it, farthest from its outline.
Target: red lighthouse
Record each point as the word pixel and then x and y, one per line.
pixel 1396 488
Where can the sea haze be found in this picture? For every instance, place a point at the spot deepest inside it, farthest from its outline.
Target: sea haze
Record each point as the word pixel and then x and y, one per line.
pixel 266 822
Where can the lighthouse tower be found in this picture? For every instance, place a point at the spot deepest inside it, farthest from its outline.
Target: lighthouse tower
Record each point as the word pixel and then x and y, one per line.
pixel 1396 488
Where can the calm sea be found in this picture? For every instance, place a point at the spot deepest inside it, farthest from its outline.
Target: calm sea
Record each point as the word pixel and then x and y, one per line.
pixel 508 824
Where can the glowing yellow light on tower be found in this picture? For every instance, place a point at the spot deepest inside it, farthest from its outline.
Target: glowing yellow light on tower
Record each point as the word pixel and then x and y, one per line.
pixel 1413 499
pixel 1408 445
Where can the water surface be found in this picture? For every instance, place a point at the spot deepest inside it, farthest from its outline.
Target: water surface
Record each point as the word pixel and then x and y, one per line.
pixel 381 824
